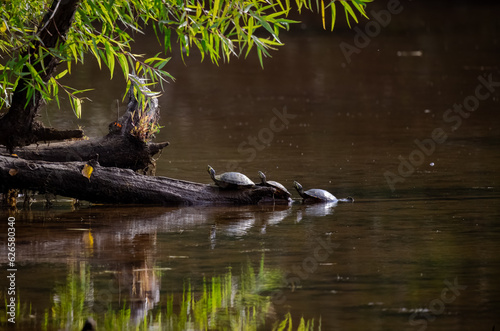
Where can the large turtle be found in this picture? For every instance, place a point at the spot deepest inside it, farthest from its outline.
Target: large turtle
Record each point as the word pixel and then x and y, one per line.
pixel 230 179
pixel 318 195
pixel 277 186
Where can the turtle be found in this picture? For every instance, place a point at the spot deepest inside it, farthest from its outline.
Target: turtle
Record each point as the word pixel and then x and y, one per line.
pixel 230 179
pixel 271 183
pixel 318 195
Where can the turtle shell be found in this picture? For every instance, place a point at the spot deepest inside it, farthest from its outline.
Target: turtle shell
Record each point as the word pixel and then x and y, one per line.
pixel 320 195
pixel 233 179
pixel 230 179
pixel 273 184
pixel 277 186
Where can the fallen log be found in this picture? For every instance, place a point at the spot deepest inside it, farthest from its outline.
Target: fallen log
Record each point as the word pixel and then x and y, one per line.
pixel 121 186
pixel 112 150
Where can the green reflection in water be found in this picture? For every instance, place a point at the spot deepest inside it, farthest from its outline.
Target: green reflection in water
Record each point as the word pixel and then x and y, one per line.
pixel 224 302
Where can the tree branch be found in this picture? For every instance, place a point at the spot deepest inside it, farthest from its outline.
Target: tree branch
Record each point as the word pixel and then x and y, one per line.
pixel 110 151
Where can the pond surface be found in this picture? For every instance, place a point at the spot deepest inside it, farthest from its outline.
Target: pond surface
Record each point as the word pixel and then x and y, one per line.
pixel 408 126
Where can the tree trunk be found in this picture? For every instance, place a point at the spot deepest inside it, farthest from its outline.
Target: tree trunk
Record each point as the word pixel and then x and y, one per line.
pixel 114 185
pixel 18 127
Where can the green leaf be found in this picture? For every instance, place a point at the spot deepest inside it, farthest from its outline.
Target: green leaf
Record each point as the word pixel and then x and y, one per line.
pixel 334 14
pixel 266 26
pixel 259 54
pixel 359 8
pixel 61 74
pixel 349 11
pixel 77 107
pixel 110 56
pixel 105 29
pixel 95 51
pixel 215 10
pixel 122 59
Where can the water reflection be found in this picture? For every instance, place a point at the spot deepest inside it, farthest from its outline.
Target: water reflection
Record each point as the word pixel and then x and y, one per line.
pixel 237 222
pixel 127 287
pixel 318 209
pixel 239 228
pixel 133 301
pixel 145 290
pixel 370 260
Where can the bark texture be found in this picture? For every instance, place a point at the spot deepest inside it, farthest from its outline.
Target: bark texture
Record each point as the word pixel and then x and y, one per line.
pixel 122 186
pixel 113 150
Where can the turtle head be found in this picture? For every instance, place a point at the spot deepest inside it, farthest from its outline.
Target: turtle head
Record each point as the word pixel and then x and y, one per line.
pixel 211 171
pixel 299 188
pixel 262 177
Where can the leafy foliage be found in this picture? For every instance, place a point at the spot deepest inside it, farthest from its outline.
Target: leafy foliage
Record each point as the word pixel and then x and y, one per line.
pixel 106 31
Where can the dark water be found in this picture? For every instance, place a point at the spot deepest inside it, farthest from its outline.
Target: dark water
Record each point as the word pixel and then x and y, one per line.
pixel 417 250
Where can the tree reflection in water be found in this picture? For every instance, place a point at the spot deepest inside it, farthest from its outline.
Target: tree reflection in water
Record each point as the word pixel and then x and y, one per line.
pixel 223 302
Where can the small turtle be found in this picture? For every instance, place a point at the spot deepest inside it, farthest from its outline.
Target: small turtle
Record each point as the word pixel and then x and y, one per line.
pixel 318 195
pixel 230 179
pixel 277 186
pixel 315 194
